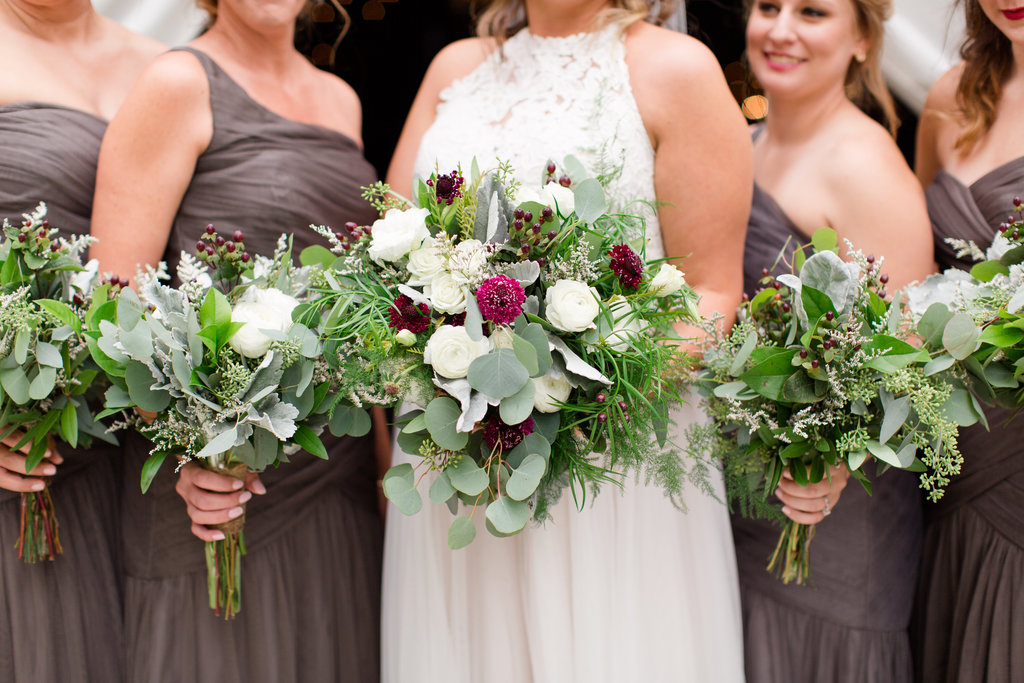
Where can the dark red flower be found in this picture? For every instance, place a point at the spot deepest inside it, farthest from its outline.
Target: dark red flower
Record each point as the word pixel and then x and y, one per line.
pixel 508 436
pixel 409 316
pixel 627 265
pixel 457 320
pixel 500 299
pixel 447 187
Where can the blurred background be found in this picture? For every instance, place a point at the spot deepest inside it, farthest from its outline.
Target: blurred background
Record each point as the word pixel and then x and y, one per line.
pixel 390 44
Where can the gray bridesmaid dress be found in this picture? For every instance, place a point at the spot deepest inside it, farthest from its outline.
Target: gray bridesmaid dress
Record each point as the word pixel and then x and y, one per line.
pixel 60 620
pixel 969 613
pixel 851 623
pixel 311 578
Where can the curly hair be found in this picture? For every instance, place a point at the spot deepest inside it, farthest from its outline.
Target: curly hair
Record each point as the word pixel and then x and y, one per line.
pixel 988 63
pixel 501 19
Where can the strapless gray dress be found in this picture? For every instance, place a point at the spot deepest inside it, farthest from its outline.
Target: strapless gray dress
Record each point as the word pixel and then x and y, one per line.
pixel 851 623
pixel 969 613
pixel 60 620
pixel 311 578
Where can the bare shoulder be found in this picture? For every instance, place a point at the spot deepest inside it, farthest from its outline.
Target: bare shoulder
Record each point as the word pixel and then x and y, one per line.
pixel 340 92
pixel 457 60
pixel 659 57
pixel 863 162
pixel 178 75
pixel 134 45
pixel 942 94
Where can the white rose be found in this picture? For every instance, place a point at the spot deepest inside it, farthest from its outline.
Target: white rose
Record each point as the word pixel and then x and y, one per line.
pixel 260 309
pixel 667 281
pixel 446 294
pixel 571 306
pixel 450 351
pixel 425 263
pixel 501 338
pixel 405 337
pixel 549 389
pixel 559 198
pixel 395 235
pixel 624 325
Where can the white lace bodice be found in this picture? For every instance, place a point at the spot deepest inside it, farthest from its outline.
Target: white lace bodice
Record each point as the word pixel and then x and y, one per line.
pixel 545 98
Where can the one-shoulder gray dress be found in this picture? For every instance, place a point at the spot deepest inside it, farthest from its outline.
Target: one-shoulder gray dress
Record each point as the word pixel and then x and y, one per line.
pixel 851 623
pixel 969 614
pixel 60 620
pixel 311 578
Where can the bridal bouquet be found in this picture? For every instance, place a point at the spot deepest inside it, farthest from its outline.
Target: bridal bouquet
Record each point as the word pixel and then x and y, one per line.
pixel 234 381
pixel 974 323
pixel 45 369
pixel 528 330
pixel 820 372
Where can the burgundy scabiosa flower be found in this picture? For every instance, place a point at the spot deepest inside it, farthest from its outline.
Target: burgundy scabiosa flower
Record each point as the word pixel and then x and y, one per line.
pixel 500 299
pixel 447 187
pixel 627 265
pixel 457 320
pixel 409 316
pixel 496 432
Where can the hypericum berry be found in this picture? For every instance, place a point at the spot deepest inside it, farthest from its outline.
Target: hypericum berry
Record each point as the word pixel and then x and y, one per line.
pixel 622 406
pixel 625 417
pixel 210 251
pixel 346 246
pixel 46 224
pixel 602 418
pixel 765 272
pixel 552 235
pixel 1003 227
pixel 238 236
pixel 828 343
pixel 78 299
pixel 786 307
pixel 829 316
pixel 245 257
pixel 778 296
pixel 219 241
pixel 517 224
pixel 210 229
pixel 22 237
pixel 1009 219
pixel 551 167
pixel 815 363
pixel 564 181
pixel 882 294
pixel 1017 201
pixel 114 280
pixel 201 247
pixel 368 229
pixel 518 214
pixel 230 246
pixel 746 297
pixel 535 228
pixel 547 214
pixel 350 226
pixel 357 233
pixel 601 398
pixel 528 216
pixel 856 347
pixel 123 282
pixel 803 353
pixel 883 278
pixel 1015 235
pixel 54 246
pixel 525 249
pixel 542 262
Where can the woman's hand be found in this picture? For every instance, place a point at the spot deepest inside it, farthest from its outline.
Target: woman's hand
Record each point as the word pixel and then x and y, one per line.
pixel 213 498
pixel 12 466
pixel 812 503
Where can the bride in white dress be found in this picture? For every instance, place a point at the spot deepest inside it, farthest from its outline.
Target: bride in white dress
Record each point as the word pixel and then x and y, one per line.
pixel 629 589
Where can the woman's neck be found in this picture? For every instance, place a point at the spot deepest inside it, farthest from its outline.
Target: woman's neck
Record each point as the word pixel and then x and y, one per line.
pixel 547 21
pixel 66 22
pixel 797 119
pixel 270 51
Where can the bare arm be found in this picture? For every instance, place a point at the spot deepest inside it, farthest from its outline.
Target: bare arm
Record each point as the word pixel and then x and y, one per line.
pixel 146 163
pixel 936 122
pixel 703 170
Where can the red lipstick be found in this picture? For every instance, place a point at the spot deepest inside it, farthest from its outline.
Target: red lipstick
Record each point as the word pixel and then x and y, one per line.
pixel 1014 14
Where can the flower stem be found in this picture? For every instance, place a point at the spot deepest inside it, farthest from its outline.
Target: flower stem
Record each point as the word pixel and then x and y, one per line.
pixel 38 537
pixel 791 559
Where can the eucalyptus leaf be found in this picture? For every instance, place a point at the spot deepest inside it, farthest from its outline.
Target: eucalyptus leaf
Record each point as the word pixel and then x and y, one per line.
pixel 938 364
pixel 883 452
pixel 140 384
pixel 399 487
pixel 43 383
pixel 473 323
pixel 896 413
pixel 960 409
pixel 507 515
pixel 467 477
pixel 441 490
pixel 499 374
pixel 48 354
pixel 16 384
pixel 589 200
pixel 933 323
pixel 526 477
pixel 221 443
pixel 441 417
pixel 516 408
pixel 743 354
pixel 960 336
pixel 461 533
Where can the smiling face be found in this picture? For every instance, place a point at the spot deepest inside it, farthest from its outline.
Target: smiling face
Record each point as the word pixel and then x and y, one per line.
pixel 803 47
pixel 1008 17
pixel 263 14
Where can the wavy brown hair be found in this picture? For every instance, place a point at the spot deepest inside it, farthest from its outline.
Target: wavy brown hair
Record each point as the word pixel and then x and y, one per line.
pixel 865 84
pixel 501 19
pixel 988 63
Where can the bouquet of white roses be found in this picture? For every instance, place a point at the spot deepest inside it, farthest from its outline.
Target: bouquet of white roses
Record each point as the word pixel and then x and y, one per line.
pixel 45 369
pixel 527 327
pixel 234 381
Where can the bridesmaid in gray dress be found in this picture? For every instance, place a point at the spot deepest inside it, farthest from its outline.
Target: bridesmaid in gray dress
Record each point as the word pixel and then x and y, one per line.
pixel 969 615
pixel 240 131
pixel 821 161
pixel 61 620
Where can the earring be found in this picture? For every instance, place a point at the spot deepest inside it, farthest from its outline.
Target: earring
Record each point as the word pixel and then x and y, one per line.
pixel 860 57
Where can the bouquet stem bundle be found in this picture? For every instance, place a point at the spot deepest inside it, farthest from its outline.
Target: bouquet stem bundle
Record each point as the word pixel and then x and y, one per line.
pixel 38 537
pixel 224 558
pixel 791 560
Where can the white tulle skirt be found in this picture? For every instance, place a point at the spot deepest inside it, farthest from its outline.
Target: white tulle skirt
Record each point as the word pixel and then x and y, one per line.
pixel 628 589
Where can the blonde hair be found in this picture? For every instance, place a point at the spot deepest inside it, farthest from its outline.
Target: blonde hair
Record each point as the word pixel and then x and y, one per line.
pixel 501 19
pixel 988 63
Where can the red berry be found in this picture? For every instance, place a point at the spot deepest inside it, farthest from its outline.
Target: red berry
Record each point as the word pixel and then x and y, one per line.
pixel 46 224
pixel 230 246
pixel 201 247
pixel 535 229
pixel 765 272
pixel 625 417
pixel 210 251
pixel 54 246
pixel 367 229
pixel 238 236
pixel 1017 201
pixel 245 257
pixel 357 233
pixel 350 226
pixel 525 249
pixel 564 181
pixel 528 217
pixel 622 406
pixel 219 241
pixel 22 237
pixel 883 278
pixel 210 229
pixel 547 214
pixel 124 282
pixel 786 307
pixel 517 224
pixel 746 297
pixel 114 280
pixel 814 363
pixel 78 299
pixel 829 316
pixel 803 353
pixel 602 418
pixel 1003 227
pixel 552 235
pixel 601 398
pixel 518 214
pixel 551 167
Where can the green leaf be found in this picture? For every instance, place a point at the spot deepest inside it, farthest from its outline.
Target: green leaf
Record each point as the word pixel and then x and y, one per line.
pixel 825 239
pixel 590 203
pixel 417 424
pixel 69 423
pixel 498 374
pixel 140 388
pixel 317 255
pixel 221 443
pixel 43 384
pixel 518 407
pixel 399 487
pixel 461 533
pixel 855 459
pixel 441 490
pixel 816 303
pixel 473 323
pixel 986 270
pixel 129 309
pixel 309 441
pixel 150 468
pixel 533 444
pixel 21 344
pixel 526 478
pixel 800 388
pixel 48 354
pixel 768 375
pixel 906 455
pixel 341 420
pixel 361 423
pixel 932 324
pixel 215 311
pixel 1002 336
pixel 441 416
pixel 1012 256
pixel 883 452
pixel 508 516
pixel 960 337
pixel 535 334
pixel 743 354
pixel 1000 376
pixel 938 364
pixel 467 477
pixel 527 354
pixel 960 409
pixel 896 413
pixel 61 312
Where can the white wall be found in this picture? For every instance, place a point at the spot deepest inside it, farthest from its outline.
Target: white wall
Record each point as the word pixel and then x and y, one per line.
pixel 173 22
pixel 921 43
